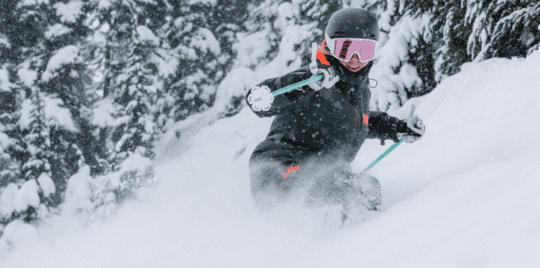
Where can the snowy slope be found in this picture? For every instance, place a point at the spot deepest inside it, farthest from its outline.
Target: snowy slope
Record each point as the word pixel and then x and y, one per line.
pixel 466 195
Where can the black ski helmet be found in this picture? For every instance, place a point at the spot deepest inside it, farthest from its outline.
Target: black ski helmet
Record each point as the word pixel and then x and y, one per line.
pixel 352 23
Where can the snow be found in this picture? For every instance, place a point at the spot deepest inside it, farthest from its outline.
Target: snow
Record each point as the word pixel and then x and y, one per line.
pixel 27 76
pixel 99 38
pixel 4 41
pixel 392 52
pixel 251 49
pixel 32 2
pixel 104 4
pixel 408 76
pixel 70 11
pixel 165 62
pixel 5 85
pixel 7 237
pixel 27 196
pixel 205 40
pixel 79 192
pixel 285 16
pixel 103 113
pixel 46 184
pixel 208 2
pixel 57 30
pixel 135 162
pixel 147 35
pixel 7 203
pixel 66 55
pixel 56 115
pixel 18 234
pixel 466 195
pixel 4 141
pixel 236 84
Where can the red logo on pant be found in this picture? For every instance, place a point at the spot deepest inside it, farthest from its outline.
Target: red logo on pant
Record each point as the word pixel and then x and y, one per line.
pixel 289 170
pixel 366 120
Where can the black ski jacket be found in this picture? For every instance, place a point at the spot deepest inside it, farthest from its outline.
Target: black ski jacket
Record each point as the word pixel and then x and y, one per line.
pixel 333 122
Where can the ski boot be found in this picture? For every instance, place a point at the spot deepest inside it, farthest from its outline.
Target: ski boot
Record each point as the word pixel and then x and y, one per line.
pixel 365 190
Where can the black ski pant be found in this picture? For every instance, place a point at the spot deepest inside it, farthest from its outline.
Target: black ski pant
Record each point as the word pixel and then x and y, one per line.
pixel 279 169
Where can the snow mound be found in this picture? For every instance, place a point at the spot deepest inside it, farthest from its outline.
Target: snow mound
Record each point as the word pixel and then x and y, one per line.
pixel 27 196
pixel 46 184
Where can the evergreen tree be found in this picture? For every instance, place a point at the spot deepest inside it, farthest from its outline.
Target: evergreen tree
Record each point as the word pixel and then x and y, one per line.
pixel 42 58
pixel 137 92
pixel 37 165
pixel 226 21
pixel 260 43
pixel 12 37
pixel 478 30
pixel 314 14
pixel 9 168
pixel 404 66
pixel 198 55
pixel 502 28
pixel 133 82
pixel 450 33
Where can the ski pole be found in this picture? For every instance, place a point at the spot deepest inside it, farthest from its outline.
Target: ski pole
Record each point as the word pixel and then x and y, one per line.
pixel 292 87
pixel 389 149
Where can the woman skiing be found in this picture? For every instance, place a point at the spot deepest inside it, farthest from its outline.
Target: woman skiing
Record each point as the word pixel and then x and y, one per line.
pixel 319 128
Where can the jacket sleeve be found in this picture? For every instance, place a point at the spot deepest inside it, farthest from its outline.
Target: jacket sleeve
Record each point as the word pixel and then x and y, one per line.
pixel 385 127
pixel 282 103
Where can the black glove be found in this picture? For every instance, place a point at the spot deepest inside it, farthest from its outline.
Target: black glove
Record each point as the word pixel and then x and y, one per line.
pixel 411 130
pixel 330 78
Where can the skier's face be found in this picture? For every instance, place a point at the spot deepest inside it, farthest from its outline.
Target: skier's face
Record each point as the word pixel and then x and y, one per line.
pixel 354 65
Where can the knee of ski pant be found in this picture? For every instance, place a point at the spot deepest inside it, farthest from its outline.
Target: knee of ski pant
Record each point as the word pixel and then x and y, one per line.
pixel 274 178
pixel 265 182
pixel 263 174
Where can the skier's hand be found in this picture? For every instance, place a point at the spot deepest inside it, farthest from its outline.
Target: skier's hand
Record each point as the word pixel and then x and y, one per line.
pixel 411 130
pixel 330 78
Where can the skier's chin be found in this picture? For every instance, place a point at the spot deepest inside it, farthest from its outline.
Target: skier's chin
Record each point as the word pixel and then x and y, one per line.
pixel 354 70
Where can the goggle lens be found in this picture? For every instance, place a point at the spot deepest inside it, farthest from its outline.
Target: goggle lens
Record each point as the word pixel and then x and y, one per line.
pixel 364 48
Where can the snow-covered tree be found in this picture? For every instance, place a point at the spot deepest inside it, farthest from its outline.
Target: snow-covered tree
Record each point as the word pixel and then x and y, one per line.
pixel 449 32
pixel 37 163
pixel 404 65
pixel 9 169
pixel 478 29
pixel 135 107
pixel 137 92
pixel 260 43
pixel 313 15
pixel 502 28
pixel 43 133
pixel 198 55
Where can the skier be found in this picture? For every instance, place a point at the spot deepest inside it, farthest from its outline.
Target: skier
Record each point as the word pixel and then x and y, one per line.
pixel 319 128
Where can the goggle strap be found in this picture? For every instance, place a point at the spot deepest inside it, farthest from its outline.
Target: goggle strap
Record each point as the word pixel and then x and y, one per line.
pixel 313 65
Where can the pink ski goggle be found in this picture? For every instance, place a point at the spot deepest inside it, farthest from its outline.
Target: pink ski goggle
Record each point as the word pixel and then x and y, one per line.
pixel 344 48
